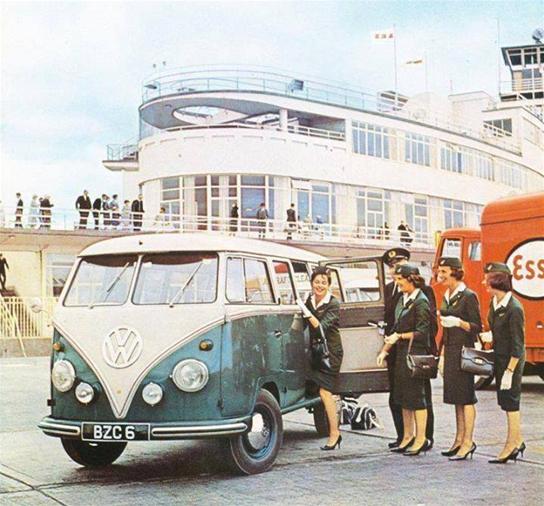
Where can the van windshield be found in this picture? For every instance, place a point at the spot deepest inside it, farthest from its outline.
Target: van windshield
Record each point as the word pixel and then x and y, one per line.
pixel 101 280
pixel 176 278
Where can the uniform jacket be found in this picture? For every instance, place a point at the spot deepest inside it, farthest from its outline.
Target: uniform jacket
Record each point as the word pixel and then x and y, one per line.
pixel 329 317
pixel 291 215
pixel 415 317
pixel 137 206
pixel 464 305
pixel 508 327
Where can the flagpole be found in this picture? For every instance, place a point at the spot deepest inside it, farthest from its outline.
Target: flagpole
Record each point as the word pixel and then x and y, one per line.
pixel 395 63
pixel 425 62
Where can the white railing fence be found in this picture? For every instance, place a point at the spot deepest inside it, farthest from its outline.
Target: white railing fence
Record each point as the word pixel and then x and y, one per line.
pixel 18 321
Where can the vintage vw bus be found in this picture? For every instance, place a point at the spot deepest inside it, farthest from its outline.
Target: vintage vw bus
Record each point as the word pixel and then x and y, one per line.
pixel 180 336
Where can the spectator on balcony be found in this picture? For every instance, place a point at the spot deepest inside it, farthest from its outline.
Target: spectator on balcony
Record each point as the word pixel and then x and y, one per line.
pixel 46 206
pixel 126 213
pixel 262 217
pixel 404 234
pixel 106 214
pixel 161 220
pixel 19 211
pixel 385 231
pixel 234 215
pixel 138 212
pixel 114 207
pixel 97 206
pixel 83 204
pixel 34 213
pixel 3 266
pixel 291 221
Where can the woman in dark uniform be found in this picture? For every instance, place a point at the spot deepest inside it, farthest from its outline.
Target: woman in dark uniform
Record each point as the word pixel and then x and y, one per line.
pixel 412 322
pixel 461 322
pixel 507 324
pixel 324 312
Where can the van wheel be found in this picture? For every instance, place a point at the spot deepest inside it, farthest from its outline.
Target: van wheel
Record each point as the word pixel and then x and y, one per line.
pixel 92 454
pixel 482 382
pixel 255 451
pixel 321 422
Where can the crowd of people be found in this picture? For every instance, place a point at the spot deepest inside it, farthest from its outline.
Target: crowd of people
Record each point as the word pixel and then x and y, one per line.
pixel 39 211
pixel 410 328
pixel 107 212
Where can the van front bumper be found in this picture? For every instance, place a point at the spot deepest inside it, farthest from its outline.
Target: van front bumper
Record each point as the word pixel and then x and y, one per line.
pixel 157 431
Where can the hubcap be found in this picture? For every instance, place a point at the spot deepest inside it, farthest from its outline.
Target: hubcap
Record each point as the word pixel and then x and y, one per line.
pixel 259 436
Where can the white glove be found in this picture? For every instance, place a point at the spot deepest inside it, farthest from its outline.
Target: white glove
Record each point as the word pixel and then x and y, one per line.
pixel 486 337
pixel 506 382
pixel 305 311
pixel 450 321
pixel 380 360
pixel 392 339
pixel 441 365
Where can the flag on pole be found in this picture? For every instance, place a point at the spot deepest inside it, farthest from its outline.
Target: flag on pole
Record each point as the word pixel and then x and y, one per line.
pixel 382 35
pixel 417 61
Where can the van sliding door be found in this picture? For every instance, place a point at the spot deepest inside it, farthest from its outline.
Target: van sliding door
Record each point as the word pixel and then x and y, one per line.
pixel 361 313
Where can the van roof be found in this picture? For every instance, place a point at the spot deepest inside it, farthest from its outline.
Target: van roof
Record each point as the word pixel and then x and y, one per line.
pixel 176 241
pixel 520 207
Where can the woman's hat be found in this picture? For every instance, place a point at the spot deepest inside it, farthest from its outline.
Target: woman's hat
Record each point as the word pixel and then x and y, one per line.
pixel 497 267
pixel 406 269
pixel 394 255
pixel 453 262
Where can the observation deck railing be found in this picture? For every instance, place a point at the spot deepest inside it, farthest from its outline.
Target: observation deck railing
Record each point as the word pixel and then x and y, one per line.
pixel 311 231
pixel 122 152
pixel 184 82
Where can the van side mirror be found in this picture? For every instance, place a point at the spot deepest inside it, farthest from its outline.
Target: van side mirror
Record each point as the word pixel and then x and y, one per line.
pixel 36 305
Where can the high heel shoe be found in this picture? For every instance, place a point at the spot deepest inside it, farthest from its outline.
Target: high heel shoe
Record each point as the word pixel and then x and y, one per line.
pixel 394 444
pixel 522 448
pixel 327 448
pixel 423 448
pixel 402 449
pixel 451 451
pixel 464 457
pixel 512 456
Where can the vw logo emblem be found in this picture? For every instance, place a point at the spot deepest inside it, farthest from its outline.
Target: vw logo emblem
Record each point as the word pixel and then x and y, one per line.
pixel 122 347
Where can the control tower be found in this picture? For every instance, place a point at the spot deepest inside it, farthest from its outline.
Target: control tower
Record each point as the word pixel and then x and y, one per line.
pixel 526 65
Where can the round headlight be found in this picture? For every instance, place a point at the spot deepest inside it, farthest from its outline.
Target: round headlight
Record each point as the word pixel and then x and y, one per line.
pixel 152 394
pixel 84 393
pixel 190 375
pixel 63 375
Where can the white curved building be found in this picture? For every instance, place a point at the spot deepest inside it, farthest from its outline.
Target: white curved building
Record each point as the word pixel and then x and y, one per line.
pixel 349 160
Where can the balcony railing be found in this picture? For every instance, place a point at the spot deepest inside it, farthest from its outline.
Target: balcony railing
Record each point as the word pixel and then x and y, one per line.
pixel 306 231
pixel 522 85
pixel 276 83
pixel 122 152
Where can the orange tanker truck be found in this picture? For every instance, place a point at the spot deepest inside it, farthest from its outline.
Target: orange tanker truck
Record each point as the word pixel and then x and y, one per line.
pixel 512 231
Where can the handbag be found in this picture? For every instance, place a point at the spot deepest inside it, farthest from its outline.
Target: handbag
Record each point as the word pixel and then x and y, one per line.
pixel 321 357
pixel 421 366
pixel 477 362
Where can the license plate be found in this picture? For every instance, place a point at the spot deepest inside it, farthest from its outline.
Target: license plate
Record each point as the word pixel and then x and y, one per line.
pixel 115 431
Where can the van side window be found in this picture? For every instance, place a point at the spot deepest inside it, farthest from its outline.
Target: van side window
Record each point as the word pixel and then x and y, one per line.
pixel 284 281
pixel 302 279
pixel 475 251
pixel 248 281
pixel 451 248
pixel 361 281
pixel 257 283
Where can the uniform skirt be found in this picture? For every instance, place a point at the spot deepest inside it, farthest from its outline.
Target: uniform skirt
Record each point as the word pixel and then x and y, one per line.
pixel 508 399
pixel 458 385
pixel 408 392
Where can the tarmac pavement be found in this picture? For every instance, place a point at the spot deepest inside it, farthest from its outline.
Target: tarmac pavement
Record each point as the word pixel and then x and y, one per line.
pixel 34 469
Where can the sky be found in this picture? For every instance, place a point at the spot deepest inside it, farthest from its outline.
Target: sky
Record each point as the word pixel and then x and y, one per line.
pixel 72 72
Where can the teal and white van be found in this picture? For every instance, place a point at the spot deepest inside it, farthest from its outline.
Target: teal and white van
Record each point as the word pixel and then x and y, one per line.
pixel 185 336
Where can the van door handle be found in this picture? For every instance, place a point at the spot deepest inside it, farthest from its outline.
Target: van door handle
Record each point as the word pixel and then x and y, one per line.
pixel 278 333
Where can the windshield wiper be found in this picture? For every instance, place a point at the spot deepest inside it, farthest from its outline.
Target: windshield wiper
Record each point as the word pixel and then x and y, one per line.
pixel 185 285
pixel 111 285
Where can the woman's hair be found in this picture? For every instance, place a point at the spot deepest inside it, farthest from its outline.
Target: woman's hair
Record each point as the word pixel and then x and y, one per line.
pixel 321 271
pixel 457 273
pixel 499 281
pixel 416 279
